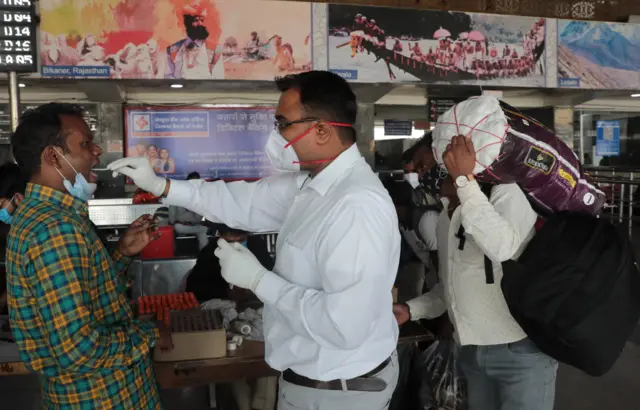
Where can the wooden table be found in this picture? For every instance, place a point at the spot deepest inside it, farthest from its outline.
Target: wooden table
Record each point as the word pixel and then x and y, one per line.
pixel 13 369
pixel 247 362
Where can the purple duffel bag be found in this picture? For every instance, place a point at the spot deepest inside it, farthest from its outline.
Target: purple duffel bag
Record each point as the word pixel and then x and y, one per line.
pixel 514 148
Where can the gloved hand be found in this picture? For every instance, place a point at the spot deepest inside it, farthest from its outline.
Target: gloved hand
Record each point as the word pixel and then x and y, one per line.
pixel 239 266
pixel 141 172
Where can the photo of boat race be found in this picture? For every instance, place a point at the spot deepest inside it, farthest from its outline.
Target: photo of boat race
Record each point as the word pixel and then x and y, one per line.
pixel 376 44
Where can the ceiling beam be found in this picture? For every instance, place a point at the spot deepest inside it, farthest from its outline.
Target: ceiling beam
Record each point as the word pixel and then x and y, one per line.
pixel 371 93
pixel 102 91
pixel 574 99
pixel 600 10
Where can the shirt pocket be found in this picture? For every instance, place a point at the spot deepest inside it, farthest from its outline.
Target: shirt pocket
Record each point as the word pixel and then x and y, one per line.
pixel 295 259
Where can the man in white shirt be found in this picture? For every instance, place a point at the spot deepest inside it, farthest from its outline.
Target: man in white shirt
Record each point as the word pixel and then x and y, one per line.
pixel 327 318
pixel 504 369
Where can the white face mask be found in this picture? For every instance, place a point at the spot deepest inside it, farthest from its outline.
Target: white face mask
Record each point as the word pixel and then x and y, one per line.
pixel 413 179
pixel 281 158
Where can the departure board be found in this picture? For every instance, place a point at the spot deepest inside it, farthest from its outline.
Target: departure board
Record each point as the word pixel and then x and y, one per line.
pixel 18 25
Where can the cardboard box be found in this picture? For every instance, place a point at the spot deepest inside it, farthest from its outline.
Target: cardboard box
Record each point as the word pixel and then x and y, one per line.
pixel 196 334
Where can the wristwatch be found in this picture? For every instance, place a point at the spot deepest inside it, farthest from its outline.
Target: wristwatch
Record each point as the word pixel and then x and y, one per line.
pixel 463 180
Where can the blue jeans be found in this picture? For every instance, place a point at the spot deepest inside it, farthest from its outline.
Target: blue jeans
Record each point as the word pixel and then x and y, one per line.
pixel 513 376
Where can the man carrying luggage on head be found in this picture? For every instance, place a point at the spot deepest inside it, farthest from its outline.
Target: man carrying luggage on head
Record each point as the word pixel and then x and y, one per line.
pixel 504 369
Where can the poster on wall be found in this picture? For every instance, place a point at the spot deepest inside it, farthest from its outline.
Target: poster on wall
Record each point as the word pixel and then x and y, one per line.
pixel 600 55
pixel 607 138
pixel 377 44
pixel 181 39
pixel 222 142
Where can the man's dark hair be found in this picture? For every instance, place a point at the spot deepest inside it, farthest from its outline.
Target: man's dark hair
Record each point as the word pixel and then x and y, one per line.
pixel 37 129
pixel 193 175
pixel 425 141
pixel 400 192
pixel 11 180
pixel 327 96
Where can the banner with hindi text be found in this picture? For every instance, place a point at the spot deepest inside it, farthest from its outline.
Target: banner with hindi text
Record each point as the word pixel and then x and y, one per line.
pixel 221 142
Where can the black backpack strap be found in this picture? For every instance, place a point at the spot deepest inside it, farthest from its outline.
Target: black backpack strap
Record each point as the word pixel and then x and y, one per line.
pixel 488 265
pixel 488 270
pixel 460 236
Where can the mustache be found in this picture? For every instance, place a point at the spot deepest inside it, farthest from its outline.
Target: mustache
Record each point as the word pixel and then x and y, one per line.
pixel 197 33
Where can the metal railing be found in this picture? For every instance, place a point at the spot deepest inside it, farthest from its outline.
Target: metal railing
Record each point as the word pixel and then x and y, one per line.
pixel 621 188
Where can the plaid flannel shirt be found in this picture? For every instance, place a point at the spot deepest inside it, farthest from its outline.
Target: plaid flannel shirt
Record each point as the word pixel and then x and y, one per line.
pixel 70 317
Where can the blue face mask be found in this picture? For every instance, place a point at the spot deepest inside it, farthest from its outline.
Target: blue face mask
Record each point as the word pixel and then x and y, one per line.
pixel 81 189
pixel 244 243
pixel 6 217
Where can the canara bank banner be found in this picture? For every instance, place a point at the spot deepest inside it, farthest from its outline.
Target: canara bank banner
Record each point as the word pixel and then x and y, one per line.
pixel 182 39
pixel 376 44
pixel 226 143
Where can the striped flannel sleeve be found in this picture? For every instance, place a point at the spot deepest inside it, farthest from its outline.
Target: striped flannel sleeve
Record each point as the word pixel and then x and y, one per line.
pixel 120 262
pixel 62 267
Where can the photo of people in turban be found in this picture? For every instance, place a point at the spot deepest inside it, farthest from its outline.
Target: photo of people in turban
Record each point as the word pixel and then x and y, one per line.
pixel 174 39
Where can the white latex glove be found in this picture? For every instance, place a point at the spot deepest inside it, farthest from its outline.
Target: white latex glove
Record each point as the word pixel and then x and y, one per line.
pixel 239 266
pixel 141 172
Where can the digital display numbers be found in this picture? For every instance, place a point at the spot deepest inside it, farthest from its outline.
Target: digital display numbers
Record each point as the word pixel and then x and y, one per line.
pixel 18 26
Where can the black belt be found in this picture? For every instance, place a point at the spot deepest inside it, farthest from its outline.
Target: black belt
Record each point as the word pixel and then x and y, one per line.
pixel 362 383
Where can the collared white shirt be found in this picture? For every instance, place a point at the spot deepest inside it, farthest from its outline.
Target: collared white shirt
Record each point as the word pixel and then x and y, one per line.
pixel 499 228
pixel 328 301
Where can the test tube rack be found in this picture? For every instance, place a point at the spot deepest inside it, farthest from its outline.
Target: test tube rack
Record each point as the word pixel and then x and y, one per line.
pixel 196 334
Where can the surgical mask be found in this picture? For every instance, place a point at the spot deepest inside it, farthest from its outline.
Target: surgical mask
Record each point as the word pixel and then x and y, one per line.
pixel 244 243
pixel 281 154
pixel 5 216
pixel 413 179
pixel 81 189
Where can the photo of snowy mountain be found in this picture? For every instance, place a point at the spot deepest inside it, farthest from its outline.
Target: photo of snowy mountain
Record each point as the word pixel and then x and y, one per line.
pixel 598 55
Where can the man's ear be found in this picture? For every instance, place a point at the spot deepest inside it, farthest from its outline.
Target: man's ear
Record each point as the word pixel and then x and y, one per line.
pixel 52 156
pixel 324 132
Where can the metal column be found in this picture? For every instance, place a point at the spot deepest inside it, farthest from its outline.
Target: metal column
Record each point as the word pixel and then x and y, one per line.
pixel 14 100
pixel 364 132
pixel 14 107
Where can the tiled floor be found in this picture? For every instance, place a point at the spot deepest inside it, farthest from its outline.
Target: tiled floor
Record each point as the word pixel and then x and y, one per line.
pixel 617 390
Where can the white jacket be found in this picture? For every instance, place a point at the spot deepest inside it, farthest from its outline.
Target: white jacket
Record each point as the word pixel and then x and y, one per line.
pixel 499 228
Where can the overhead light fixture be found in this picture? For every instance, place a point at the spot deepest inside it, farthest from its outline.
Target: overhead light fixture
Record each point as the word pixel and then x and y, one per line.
pixel 22 85
pixel 176 86
pixel 635 95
